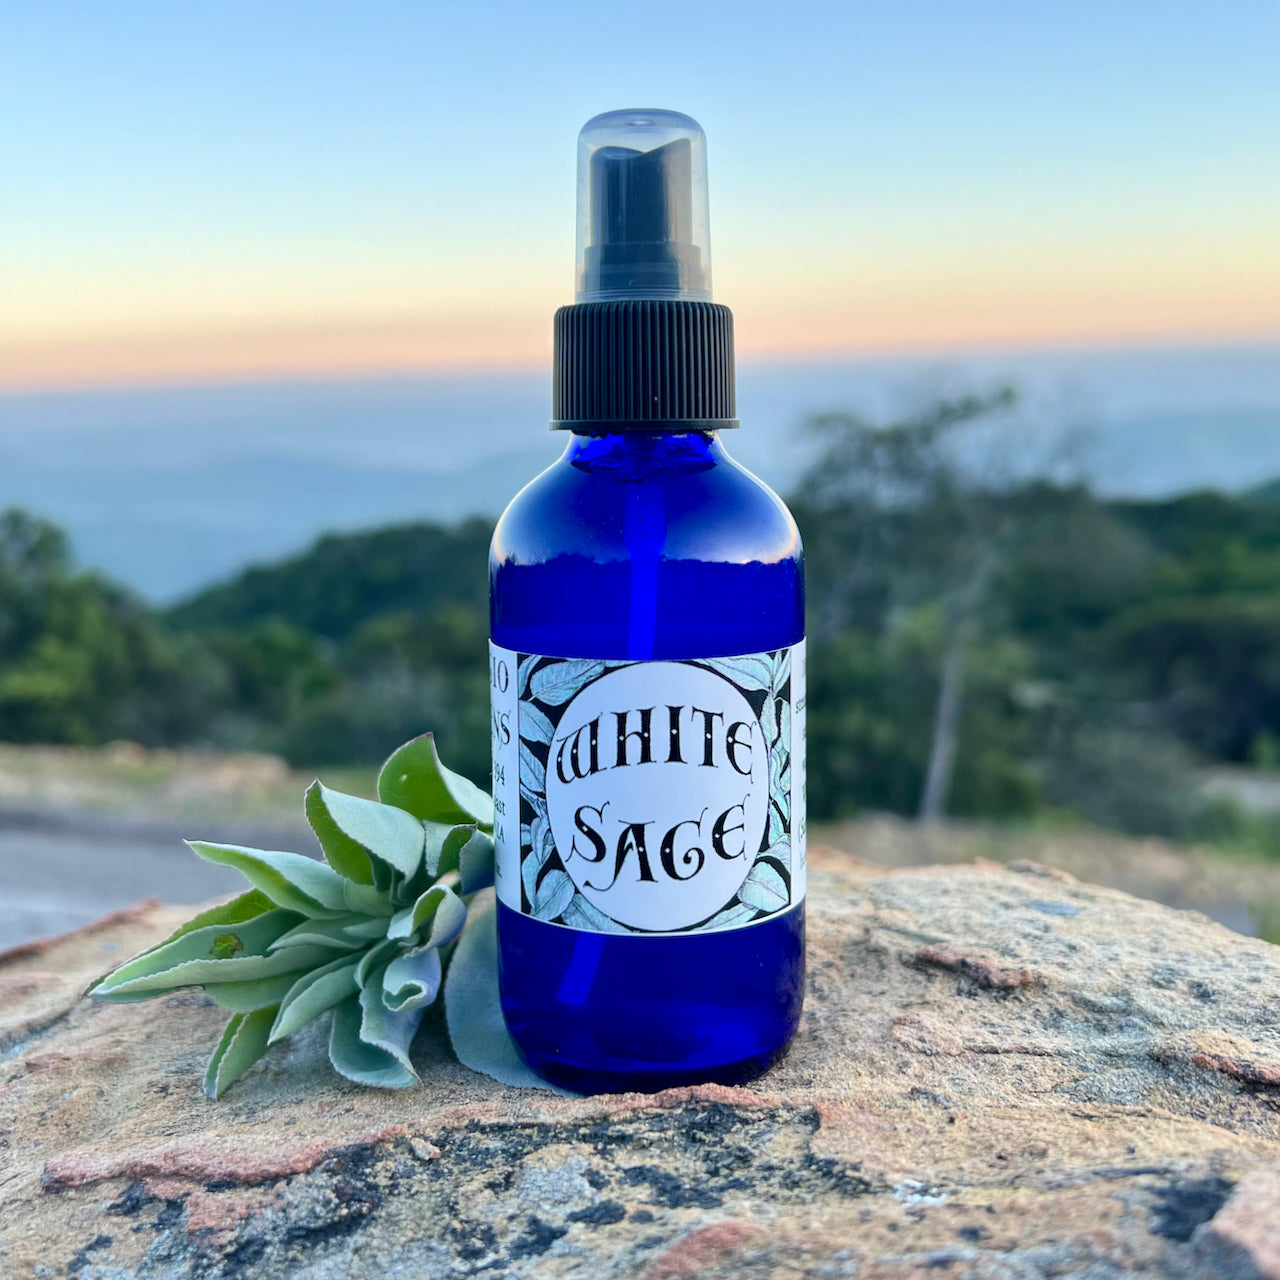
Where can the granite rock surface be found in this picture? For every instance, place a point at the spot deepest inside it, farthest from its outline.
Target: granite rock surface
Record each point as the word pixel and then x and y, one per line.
pixel 1001 1074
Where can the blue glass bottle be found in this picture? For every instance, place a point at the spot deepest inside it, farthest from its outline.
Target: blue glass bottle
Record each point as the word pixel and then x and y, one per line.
pixel 648 543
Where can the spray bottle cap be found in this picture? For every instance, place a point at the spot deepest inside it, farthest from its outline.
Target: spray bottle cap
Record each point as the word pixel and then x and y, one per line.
pixel 643 226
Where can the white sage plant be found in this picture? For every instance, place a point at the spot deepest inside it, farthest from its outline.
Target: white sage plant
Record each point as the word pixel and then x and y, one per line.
pixel 370 933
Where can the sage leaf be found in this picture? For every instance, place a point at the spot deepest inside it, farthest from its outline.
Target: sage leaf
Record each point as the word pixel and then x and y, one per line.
pixel 288 879
pixel 375 958
pixel 246 906
pixel 368 900
pixel 201 973
pixel 353 831
pixel 413 779
pixel 444 846
pixel 243 1042
pixel 475 864
pixel 360 1062
pixel 245 997
pixel 473 1007
pixel 345 855
pixel 312 994
pixel 345 933
pixel 391 1030
pixel 240 909
pixel 438 907
pixel 412 980
pixel 221 951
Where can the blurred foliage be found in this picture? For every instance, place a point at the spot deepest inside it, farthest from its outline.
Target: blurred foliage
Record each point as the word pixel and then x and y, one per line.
pixel 1101 651
pixel 81 659
pixel 1098 652
pixel 1266 919
pixel 1124 779
pixel 1227 823
pixel 870 706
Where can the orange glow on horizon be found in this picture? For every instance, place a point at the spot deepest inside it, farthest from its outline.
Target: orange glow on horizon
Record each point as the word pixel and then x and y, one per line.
pixel 989 293
pixel 765 332
pixel 283 351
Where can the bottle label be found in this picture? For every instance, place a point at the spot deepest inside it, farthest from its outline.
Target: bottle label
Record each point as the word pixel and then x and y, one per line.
pixel 649 797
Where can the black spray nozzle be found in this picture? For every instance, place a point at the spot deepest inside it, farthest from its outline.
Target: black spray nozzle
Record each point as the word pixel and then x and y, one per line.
pixel 642 208
pixel 642 219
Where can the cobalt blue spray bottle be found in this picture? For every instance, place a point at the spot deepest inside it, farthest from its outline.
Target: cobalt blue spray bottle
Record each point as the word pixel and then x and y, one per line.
pixel 647 669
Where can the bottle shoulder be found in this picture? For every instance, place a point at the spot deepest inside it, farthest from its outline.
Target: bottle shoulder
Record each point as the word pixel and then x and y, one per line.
pixel 700 504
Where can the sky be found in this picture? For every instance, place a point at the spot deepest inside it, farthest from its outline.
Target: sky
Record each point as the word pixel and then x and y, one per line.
pixel 219 192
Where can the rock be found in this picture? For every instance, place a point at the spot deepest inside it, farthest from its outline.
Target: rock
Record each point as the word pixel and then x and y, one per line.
pixel 1238 891
pixel 1002 1074
pixel 1247 1230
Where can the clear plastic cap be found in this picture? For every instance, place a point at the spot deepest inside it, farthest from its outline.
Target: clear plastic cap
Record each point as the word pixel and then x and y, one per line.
pixel 643 224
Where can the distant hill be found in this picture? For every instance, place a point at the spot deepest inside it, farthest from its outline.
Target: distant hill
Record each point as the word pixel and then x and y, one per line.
pixel 1269 492
pixel 346 579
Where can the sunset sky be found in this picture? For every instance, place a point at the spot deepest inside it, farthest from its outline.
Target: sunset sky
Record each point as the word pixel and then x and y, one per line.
pixel 277 187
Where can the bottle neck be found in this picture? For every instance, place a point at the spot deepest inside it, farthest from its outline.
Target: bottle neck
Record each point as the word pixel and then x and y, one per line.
pixel 638 455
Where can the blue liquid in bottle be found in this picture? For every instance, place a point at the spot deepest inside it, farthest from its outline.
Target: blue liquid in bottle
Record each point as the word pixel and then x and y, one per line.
pixel 667 572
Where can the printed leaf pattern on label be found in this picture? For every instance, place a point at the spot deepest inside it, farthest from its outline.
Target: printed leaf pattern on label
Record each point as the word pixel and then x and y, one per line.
pixel 547 892
pixel 557 683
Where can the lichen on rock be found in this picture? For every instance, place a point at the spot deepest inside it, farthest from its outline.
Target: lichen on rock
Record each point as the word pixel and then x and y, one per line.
pixel 1000 1074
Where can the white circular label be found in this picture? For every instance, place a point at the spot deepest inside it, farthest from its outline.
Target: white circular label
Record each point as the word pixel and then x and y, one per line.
pixel 658 809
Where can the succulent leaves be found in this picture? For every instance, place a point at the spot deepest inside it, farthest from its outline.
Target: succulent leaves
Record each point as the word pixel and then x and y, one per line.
pixel 472 1005
pixel 244 1041
pixel 414 779
pixel 369 933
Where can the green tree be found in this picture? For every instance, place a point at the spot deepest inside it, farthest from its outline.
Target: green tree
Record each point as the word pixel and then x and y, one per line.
pixel 904 514
pixel 81 659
